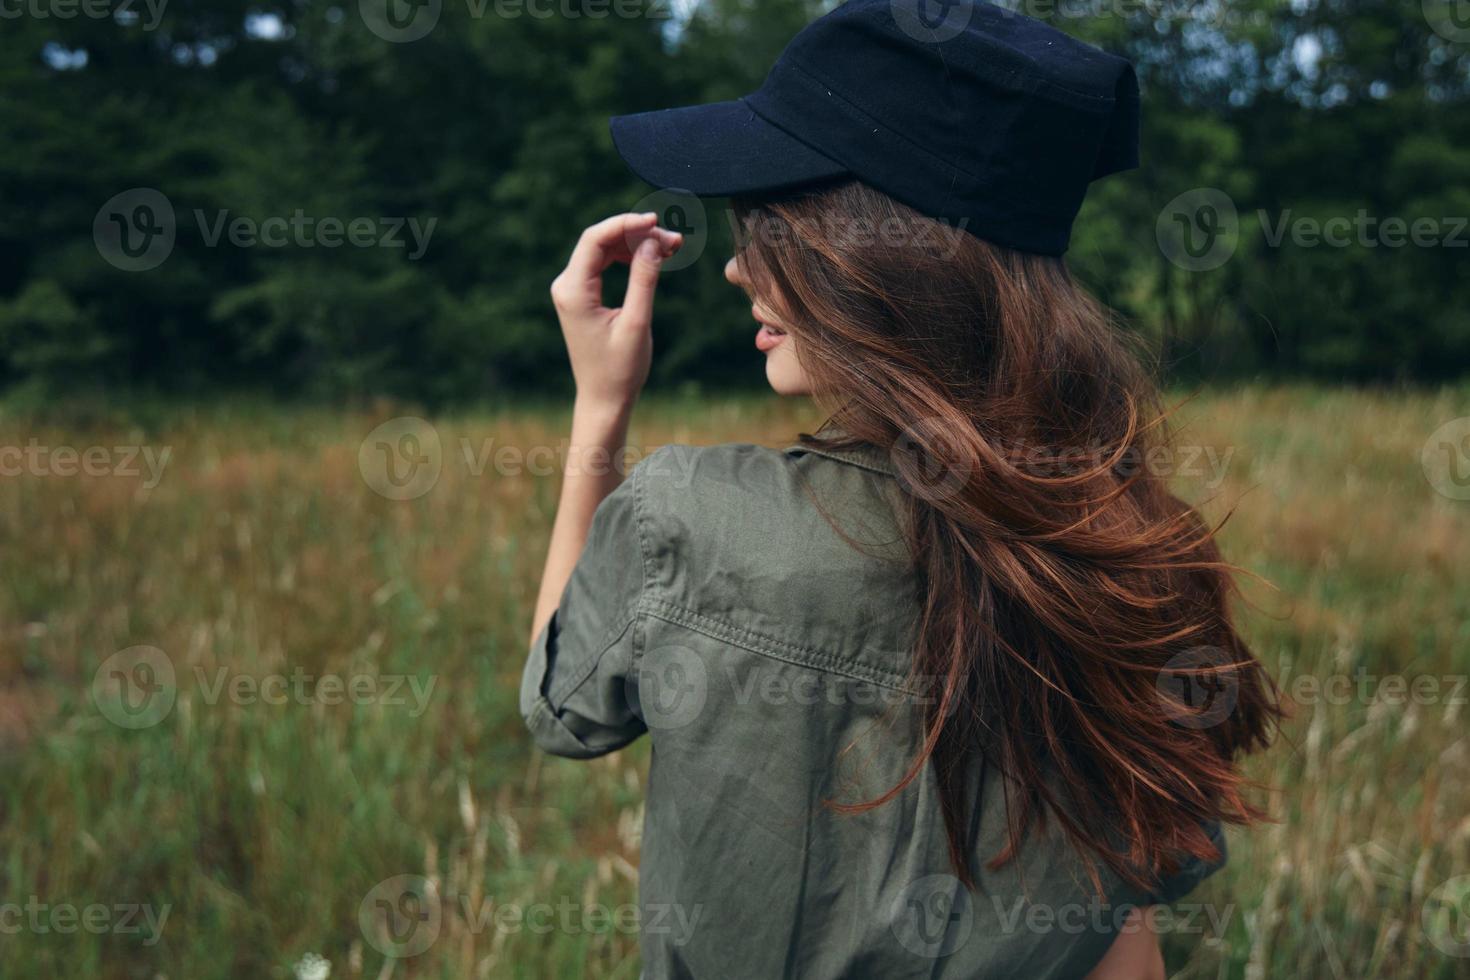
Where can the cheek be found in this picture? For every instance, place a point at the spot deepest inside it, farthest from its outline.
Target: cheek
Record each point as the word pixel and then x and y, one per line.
pixel 784 371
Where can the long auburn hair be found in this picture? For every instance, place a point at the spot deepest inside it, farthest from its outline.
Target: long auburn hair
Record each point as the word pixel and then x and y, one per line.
pixel 1068 602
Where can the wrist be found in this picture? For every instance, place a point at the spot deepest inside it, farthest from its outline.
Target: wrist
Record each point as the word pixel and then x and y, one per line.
pixel 603 410
pixel 599 436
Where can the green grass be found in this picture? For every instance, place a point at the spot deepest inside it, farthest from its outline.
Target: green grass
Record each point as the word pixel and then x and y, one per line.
pixel 263 551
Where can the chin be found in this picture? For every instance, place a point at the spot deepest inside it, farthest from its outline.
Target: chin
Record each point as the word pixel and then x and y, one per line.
pixel 786 378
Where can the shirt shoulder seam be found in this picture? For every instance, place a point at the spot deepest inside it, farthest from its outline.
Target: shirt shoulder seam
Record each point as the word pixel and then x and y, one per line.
pixel 773 648
pixel 850 459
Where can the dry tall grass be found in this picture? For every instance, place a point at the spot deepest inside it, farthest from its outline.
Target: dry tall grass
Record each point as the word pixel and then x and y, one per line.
pixel 264 823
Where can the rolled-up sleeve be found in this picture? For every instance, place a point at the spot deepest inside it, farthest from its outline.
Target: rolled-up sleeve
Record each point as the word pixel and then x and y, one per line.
pixel 575 690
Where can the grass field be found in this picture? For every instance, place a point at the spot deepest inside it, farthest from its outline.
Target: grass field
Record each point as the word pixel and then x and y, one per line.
pixel 342 709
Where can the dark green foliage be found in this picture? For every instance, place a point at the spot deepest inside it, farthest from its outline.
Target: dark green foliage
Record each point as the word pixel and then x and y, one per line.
pixel 493 128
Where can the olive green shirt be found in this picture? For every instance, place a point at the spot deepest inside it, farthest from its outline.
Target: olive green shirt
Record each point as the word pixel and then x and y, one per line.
pixel 716 609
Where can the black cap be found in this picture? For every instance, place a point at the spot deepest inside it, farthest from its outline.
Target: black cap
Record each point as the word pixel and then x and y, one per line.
pixel 966 112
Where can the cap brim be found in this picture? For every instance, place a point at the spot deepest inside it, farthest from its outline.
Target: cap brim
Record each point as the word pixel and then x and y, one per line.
pixel 720 149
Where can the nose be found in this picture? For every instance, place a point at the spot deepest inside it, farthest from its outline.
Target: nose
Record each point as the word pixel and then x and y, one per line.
pixel 733 274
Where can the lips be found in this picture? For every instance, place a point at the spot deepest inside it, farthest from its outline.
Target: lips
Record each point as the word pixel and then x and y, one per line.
pixel 767 337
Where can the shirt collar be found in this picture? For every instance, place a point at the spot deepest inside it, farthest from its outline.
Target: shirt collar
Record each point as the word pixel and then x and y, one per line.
pixel 864 455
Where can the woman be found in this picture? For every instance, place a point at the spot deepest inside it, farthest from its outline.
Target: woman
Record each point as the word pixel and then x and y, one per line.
pixel 951 687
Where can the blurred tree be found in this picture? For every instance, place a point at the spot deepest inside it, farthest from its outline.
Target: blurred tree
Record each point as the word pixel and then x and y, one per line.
pixel 261 126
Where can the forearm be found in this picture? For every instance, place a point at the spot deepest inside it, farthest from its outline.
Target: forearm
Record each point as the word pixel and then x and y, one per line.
pixel 610 351
pixel 594 464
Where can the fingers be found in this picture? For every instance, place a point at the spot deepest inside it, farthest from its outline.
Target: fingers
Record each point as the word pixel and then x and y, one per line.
pixel 615 239
pixel 669 241
pixel 605 242
pixel 642 281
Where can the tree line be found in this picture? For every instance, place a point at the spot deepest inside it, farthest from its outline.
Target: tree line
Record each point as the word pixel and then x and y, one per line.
pixel 343 200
